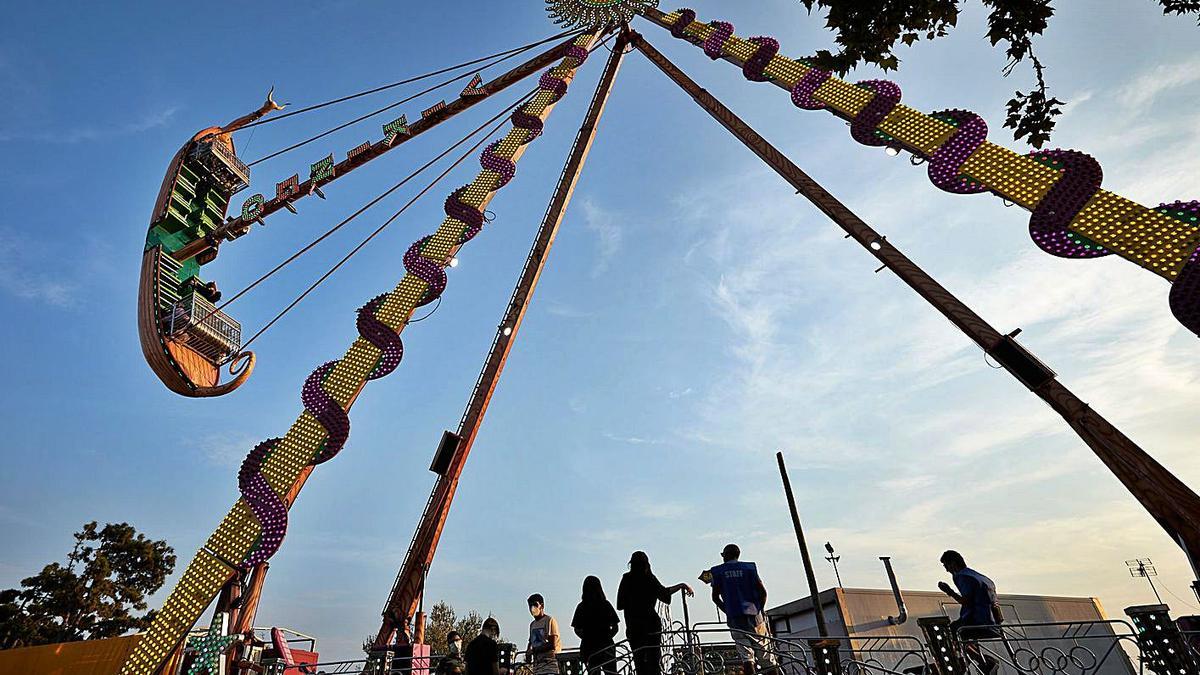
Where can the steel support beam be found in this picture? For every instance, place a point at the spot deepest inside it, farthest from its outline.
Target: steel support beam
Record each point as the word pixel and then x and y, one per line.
pixel 406 592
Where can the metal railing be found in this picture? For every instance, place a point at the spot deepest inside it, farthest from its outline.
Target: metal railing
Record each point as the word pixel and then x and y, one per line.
pixel 197 323
pixel 1097 647
pixel 223 166
pixel 694 651
pixel 1062 648
pixel 1092 647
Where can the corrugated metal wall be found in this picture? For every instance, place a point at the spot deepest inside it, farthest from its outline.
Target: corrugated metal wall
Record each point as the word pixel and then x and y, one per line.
pixel 90 657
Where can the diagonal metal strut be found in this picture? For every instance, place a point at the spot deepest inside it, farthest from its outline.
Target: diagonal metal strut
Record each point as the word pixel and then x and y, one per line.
pixel 405 596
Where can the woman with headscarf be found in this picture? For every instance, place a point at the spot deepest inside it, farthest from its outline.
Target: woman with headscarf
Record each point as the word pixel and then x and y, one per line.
pixel 596 623
pixel 638 596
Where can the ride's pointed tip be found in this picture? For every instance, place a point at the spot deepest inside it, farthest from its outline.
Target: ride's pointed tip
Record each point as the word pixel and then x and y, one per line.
pixel 260 221
pixel 290 207
pixel 317 191
pixel 271 100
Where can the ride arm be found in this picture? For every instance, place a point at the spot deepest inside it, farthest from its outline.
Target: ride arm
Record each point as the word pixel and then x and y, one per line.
pixel 406 591
pixel 1146 237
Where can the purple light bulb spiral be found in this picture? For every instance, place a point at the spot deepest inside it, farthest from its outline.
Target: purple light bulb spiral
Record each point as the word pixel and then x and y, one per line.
pixel 722 31
pixel 802 92
pixel 505 167
pixel 1185 291
pixel 269 508
pixel 945 165
pixel 686 17
pixel 886 98
pixel 754 68
pixel 1080 181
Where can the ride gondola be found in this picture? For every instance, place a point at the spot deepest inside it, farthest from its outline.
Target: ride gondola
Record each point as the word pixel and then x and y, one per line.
pixel 185 338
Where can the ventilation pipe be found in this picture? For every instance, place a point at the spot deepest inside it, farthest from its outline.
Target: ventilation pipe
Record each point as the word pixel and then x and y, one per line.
pixel 903 616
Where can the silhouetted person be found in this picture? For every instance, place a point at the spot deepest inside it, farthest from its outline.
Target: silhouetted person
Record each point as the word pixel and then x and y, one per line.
pixel 545 642
pixel 596 622
pixel 637 596
pixel 482 655
pixel 979 614
pixel 738 591
pixel 452 662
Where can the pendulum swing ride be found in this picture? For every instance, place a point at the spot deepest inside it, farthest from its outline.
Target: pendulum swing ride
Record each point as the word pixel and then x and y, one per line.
pixel 187 337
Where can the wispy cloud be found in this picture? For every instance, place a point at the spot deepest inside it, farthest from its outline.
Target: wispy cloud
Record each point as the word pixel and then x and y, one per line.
pixel 562 309
pixel 908 483
pixel 90 133
pixel 1144 89
pixel 634 440
pixel 603 224
pixel 225 449
pixel 765 296
pixel 658 508
pixel 21 276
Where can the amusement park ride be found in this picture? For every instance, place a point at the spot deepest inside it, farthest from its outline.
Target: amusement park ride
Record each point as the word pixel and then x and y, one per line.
pixel 188 338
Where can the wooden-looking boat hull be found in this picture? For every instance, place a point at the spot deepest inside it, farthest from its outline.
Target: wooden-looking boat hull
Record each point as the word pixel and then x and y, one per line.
pixel 182 369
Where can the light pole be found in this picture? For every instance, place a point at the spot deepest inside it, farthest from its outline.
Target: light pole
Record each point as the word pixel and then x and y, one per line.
pixel 818 611
pixel 833 560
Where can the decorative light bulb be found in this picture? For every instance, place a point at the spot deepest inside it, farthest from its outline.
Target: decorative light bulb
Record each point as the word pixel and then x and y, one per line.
pixel 454 262
pixel 892 150
pixel 507 331
pixel 590 13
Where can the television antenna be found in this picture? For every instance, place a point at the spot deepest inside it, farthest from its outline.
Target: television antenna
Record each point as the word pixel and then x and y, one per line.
pixel 1144 567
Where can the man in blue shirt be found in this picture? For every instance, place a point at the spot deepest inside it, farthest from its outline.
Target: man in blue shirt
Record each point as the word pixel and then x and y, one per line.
pixel 738 591
pixel 979 612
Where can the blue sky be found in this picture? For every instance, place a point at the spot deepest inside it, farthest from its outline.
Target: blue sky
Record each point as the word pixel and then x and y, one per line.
pixel 694 318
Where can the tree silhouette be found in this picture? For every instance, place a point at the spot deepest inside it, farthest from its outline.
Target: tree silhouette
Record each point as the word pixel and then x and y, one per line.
pixel 868 30
pixel 442 619
pixel 108 575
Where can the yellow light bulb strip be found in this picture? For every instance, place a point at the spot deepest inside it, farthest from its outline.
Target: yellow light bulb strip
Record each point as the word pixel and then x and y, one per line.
pixel 1137 233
